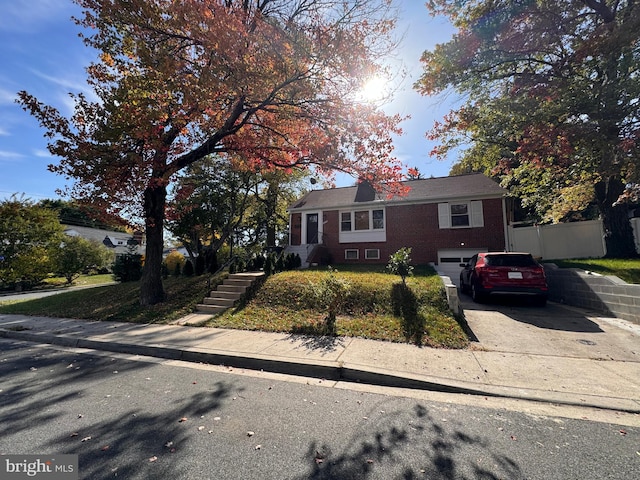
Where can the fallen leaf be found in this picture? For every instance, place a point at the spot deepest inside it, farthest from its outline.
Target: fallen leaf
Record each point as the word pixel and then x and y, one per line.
pixel 168 444
pixel 201 427
pixel 183 419
pixel 74 434
pixel 105 448
pixel 513 437
pixel 258 447
pixel 250 434
pixel 153 459
pixel 85 439
pixel 623 432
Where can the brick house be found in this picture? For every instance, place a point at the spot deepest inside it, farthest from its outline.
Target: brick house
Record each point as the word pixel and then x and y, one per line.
pixel 444 220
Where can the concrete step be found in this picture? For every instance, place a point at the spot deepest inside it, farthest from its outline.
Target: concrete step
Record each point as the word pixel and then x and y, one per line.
pixel 241 282
pixel 232 288
pixel 225 295
pixel 223 302
pixel 212 309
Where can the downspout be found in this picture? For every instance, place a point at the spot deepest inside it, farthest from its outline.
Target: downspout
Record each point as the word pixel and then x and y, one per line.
pixel 505 225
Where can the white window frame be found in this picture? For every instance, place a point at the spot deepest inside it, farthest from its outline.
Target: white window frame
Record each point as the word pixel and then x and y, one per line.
pixel 367 255
pixel 474 210
pixel 352 221
pixel 350 250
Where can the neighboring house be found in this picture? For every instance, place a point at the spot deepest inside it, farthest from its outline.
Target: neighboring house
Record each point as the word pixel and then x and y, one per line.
pixel 120 242
pixel 444 220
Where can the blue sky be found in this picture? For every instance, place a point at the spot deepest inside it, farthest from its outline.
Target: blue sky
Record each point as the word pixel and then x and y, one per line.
pixel 40 52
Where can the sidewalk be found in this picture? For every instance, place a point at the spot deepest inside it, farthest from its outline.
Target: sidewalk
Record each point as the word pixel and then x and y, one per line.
pixel 546 377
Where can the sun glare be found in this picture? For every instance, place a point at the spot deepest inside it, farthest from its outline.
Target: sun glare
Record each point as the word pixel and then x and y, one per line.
pixel 374 89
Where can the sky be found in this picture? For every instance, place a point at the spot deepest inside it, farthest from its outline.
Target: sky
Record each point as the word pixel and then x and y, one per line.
pixel 40 52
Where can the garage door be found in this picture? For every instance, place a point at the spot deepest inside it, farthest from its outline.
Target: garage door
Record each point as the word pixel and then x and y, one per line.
pixel 449 261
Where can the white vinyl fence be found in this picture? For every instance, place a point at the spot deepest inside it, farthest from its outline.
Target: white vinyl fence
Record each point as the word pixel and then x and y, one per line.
pixel 565 240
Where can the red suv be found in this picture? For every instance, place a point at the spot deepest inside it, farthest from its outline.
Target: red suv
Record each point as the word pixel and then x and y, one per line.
pixel 504 273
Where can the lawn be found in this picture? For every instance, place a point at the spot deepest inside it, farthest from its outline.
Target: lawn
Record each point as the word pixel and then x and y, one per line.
pixel 625 269
pixel 117 302
pixel 374 308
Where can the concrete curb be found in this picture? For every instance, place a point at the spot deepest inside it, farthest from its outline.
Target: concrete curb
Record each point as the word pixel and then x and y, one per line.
pixel 329 370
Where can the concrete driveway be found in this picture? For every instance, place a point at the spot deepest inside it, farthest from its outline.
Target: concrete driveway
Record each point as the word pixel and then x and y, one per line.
pixel 558 348
pixel 514 325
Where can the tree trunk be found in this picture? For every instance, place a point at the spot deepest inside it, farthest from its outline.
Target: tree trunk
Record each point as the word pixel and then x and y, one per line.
pixel 271 205
pixel 151 289
pixel 618 233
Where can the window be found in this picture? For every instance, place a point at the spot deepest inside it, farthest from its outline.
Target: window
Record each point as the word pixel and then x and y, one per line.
pixel 351 254
pixel 459 215
pixel 361 220
pixel 345 222
pixel 378 219
pixel 372 254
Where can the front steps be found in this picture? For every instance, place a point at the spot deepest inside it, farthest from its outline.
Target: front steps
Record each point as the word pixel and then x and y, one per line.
pixel 227 294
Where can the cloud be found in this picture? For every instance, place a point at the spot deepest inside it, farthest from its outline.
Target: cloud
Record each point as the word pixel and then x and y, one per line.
pixel 9 156
pixel 4 133
pixel 7 97
pixel 42 153
pixel 30 15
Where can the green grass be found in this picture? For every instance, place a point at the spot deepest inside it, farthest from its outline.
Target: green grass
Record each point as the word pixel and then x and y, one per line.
pixel 117 302
pixel 625 269
pixel 82 280
pixel 286 303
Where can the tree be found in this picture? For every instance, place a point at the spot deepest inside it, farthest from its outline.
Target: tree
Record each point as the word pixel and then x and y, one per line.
pixel 211 202
pixel 28 236
pixel 73 213
pixel 271 80
pixel 551 101
pixel 76 255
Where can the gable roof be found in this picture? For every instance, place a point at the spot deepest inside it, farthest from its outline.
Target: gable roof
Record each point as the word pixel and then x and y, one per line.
pixel 428 190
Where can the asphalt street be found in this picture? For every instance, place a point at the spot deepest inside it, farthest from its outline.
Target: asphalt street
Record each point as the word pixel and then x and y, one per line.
pixel 143 418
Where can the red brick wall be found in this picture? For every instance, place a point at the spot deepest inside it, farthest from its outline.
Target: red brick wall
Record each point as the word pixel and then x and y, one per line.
pixel 416 226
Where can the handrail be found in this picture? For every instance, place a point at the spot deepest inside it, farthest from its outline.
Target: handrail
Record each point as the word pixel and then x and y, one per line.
pixel 225 265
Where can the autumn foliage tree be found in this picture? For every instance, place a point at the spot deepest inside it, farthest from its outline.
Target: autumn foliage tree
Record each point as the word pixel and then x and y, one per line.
pixel 272 80
pixel 551 102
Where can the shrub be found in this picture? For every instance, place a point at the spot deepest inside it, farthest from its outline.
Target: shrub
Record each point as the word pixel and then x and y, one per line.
pixel 127 268
pixel 187 271
pixel 200 266
pixel 400 263
pixel 175 260
pixel 331 293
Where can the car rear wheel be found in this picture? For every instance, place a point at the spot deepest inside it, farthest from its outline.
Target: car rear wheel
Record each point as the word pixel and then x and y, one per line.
pixel 464 288
pixel 540 300
pixel 476 295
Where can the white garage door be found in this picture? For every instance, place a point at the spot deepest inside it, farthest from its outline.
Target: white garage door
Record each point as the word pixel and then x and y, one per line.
pixel 449 261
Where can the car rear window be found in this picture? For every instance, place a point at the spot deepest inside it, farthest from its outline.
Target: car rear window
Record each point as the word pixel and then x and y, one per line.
pixel 510 261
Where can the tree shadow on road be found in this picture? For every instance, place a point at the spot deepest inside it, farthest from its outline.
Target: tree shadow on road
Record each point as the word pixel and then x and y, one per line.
pixel 423 448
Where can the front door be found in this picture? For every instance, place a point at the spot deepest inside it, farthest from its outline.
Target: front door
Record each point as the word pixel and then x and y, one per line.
pixel 312 228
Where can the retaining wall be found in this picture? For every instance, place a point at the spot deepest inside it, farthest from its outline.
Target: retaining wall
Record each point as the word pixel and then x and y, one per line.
pixel 606 294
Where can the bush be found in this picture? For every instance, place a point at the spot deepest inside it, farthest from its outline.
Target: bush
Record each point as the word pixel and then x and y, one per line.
pixel 400 263
pixel 127 268
pixel 331 293
pixel 187 271
pixel 200 266
pixel 172 259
